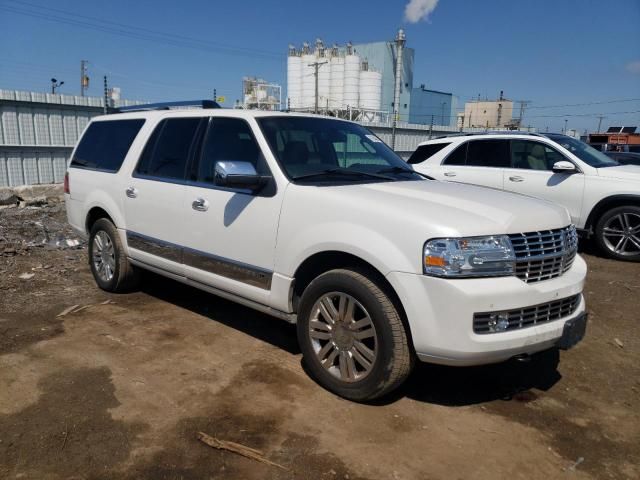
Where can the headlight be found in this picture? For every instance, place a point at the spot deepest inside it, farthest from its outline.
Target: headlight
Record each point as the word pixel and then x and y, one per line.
pixel 469 257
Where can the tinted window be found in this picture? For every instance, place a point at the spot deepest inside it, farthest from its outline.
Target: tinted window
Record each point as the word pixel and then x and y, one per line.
pixel 488 153
pixel 534 155
pixel 228 139
pixel 426 151
pixel 168 149
pixel 105 144
pixel 458 156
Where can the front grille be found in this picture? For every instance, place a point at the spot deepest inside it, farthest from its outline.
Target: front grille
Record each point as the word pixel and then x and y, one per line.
pixel 545 254
pixel 507 320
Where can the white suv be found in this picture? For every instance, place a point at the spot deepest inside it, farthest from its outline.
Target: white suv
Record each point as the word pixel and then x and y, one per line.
pixel 602 196
pixel 316 221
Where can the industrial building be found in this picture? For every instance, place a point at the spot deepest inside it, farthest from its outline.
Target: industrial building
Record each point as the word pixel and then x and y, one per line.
pixel 432 107
pixel 259 94
pixel 359 82
pixel 488 114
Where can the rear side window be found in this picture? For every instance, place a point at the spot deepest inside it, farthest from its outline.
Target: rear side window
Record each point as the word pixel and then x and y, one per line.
pixel 105 144
pixel 488 153
pixel 458 156
pixel 169 149
pixel 426 151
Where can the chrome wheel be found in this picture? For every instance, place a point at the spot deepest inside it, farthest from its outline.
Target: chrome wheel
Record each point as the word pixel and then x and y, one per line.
pixel 104 259
pixel 343 336
pixel 621 234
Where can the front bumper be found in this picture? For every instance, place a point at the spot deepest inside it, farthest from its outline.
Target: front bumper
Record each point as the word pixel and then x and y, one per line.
pixel 440 314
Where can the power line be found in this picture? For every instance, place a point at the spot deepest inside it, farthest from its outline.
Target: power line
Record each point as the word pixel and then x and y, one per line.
pixel 134 32
pixel 154 32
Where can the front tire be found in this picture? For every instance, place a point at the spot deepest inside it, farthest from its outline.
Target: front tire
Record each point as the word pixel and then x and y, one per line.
pixel 618 233
pixel 352 337
pixel 110 267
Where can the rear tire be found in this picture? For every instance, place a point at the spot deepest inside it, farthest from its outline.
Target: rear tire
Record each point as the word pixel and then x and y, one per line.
pixel 618 233
pixel 109 264
pixel 352 337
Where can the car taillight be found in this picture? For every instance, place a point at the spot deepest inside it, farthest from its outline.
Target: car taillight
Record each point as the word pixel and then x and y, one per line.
pixel 66 183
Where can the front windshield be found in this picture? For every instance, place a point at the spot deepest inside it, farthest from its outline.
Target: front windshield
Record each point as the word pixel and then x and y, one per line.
pixel 584 152
pixel 314 149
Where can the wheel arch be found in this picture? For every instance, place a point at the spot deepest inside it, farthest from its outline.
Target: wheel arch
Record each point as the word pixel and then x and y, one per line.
pixel 93 215
pixel 327 260
pixel 608 203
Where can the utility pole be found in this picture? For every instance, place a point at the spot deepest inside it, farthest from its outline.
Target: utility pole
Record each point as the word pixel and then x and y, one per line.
pixel 400 41
pixel 106 96
pixel 565 126
pixel 316 66
pixel 431 128
pixel 523 106
pixel 84 78
pixel 600 118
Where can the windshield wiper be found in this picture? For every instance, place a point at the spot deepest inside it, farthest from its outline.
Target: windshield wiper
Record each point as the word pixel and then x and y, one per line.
pixel 404 170
pixel 344 171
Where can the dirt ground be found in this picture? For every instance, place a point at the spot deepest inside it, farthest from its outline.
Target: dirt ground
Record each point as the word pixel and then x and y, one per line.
pixel 120 388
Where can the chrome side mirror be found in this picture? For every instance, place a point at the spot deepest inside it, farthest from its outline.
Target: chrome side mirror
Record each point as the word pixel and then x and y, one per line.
pixel 234 174
pixel 564 166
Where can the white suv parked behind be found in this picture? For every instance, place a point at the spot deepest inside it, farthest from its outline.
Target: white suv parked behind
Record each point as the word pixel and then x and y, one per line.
pixel 602 196
pixel 316 221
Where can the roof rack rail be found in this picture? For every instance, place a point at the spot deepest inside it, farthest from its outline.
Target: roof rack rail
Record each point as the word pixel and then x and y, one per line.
pixel 168 106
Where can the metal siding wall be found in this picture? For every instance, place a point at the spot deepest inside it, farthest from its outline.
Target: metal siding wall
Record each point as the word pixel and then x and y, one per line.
pixel 25 124
pixel 14 170
pixel 60 166
pixel 56 128
pixel 45 167
pixel 10 126
pixel 70 128
pixel 41 122
pixel 30 168
pixel 4 174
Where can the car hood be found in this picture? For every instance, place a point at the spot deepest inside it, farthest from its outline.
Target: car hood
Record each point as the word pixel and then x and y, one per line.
pixel 467 209
pixel 435 208
pixel 622 172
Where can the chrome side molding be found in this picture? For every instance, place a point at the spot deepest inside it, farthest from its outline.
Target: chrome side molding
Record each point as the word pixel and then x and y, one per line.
pixel 225 267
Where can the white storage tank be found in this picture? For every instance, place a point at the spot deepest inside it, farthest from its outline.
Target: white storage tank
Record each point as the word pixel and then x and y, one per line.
pixel 324 82
pixel 294 78
pixel 308 94
pixel 351 79
pixel 336 97
pixel 370 90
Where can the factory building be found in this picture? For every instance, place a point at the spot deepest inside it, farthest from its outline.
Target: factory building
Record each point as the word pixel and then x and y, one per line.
pixel 358 82
pixel 432 107
pixel 488 113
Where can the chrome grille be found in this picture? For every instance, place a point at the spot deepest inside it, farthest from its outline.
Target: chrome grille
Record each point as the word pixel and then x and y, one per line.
pixel 545 254
pixel 507 320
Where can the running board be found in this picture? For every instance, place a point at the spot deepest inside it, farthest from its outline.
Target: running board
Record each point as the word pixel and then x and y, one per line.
pixel 287 317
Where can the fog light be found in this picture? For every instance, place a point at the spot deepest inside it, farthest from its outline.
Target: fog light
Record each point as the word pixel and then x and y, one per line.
pixel 498 322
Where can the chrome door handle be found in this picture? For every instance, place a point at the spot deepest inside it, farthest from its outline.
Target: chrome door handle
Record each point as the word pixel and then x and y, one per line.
pixel 449 174
pixel 132 192
pixel 200 204
pixel 516 179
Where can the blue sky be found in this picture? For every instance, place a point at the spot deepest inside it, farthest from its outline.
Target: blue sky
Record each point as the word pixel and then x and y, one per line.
pixel 558 52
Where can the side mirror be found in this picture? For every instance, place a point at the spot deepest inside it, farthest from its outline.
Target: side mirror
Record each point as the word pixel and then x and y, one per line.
pixel 564 166
pixel 239 175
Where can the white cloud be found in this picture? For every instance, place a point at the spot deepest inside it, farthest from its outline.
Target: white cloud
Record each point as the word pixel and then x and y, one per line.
pixel 633 67
pixel 417 10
